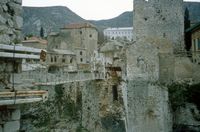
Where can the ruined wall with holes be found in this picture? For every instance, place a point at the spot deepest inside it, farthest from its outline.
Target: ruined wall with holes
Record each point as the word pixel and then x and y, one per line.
pixel 10 21
pixel 102 108
pixel 159 22
pixel 158 30
pixel 10 33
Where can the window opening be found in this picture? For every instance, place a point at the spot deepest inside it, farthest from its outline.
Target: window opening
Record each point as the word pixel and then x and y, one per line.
pixel 115 93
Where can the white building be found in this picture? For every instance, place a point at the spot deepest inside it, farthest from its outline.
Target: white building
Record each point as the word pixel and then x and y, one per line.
pixel 124 32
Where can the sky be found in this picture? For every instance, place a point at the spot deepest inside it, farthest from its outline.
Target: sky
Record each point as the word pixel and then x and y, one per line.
pixel 89 9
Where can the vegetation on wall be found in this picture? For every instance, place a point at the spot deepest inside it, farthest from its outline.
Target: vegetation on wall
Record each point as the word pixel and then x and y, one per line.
pixel 181 93
pixel 59 108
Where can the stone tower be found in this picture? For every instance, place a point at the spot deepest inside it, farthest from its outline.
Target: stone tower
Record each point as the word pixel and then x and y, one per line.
pixel 158 27
pixel 159 20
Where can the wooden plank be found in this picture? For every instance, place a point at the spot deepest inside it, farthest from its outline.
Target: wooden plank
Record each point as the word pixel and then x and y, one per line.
pixel 19 56
pixel 19 48
pixel 19 101
pixel 22 93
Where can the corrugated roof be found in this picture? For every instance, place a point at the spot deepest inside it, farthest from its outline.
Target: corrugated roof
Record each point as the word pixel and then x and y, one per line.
pixel 79 25
pixel 193 28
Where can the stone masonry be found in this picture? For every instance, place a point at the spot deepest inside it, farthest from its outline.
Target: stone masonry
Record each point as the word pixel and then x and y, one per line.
pixel 159 28
pixel 11 21
pixel 10 33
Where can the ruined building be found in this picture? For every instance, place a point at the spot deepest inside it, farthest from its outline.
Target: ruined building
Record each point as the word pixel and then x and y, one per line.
pixel 80 38
pixel 155 60
pixel 122 86
pixel 11 56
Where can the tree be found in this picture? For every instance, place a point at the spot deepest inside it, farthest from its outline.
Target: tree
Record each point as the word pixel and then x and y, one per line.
pixel 41 32
pixel 188 42
pixel 187 19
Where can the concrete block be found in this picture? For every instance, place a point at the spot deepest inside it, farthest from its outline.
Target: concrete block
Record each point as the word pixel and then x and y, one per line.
pixel 16 114
pixel 11 126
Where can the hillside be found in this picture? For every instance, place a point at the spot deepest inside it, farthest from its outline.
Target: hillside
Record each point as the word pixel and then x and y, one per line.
pixel 123 20
pixel 194 10
pixel 53 18
pixel 50 18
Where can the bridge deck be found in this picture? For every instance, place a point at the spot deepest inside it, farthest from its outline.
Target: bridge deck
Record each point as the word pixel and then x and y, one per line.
pixel 45 78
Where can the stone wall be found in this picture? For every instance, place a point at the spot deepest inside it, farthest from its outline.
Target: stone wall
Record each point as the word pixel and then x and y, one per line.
pixel 10 33
pixel 9 119
pixel 158 30
pixel 159 22
pixel 102 111
pixel 148 108
pixel 10 21
pixel 62 111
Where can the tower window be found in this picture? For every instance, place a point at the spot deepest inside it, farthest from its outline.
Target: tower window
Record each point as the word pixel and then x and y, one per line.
pixel 115 93
pixel 80 32
pixel 81 52
pixel 71 60
pixel 90 35
pixel 81 59
pixel 55 59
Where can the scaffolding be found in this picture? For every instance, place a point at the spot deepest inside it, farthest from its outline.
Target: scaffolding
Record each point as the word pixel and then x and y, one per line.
pixel 14 97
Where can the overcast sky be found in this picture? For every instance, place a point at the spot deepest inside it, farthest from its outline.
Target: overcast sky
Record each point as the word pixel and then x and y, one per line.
pixel 89 9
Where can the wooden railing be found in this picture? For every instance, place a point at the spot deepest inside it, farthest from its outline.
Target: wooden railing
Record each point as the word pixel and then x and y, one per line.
pixel 21 97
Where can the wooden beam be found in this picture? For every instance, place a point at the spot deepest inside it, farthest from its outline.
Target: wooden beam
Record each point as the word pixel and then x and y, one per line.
pixel 22 93
pixel 19 48
pixel 19 101
pixel 19 56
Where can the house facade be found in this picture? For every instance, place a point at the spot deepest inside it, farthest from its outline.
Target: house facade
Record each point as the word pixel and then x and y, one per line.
pixel 121 32
pixel 81 39
pixel 194 32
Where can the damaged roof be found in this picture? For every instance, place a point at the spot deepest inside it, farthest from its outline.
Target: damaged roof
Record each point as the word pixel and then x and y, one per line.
pixel 111 46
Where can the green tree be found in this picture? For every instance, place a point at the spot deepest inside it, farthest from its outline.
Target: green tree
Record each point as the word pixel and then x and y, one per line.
pixel 42 32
